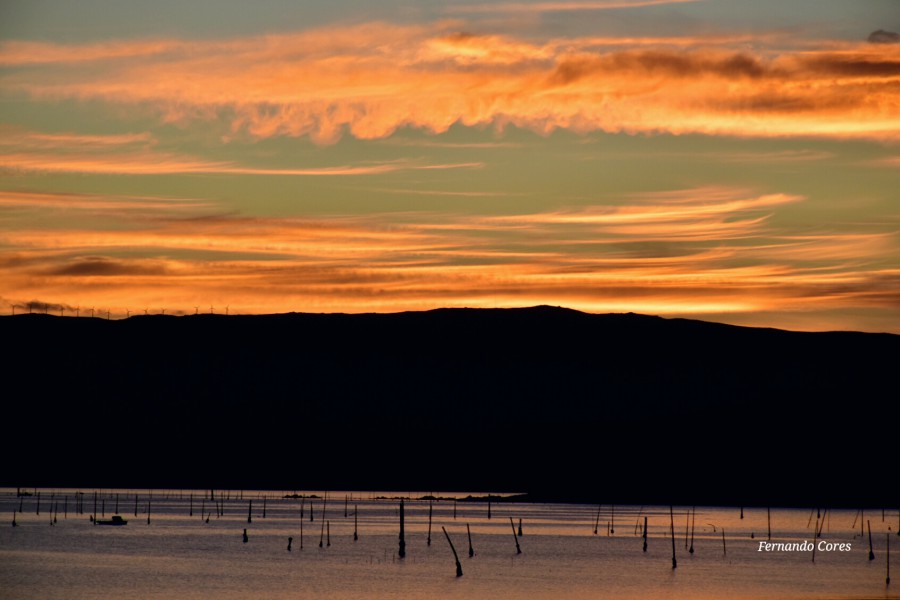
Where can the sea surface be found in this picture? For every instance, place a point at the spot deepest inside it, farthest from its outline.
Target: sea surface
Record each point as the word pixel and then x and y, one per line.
pixel 186 544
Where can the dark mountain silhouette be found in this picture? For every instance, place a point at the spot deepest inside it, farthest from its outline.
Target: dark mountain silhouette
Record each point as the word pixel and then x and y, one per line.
pixel 559 404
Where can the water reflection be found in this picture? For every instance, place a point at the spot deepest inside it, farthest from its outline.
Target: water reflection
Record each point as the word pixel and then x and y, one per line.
pixel 192 548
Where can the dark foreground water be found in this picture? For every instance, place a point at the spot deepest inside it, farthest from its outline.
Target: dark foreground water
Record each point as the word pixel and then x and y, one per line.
pixel 180 555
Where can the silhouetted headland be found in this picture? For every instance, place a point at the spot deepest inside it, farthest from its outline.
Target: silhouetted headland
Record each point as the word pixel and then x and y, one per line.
pixel 563 405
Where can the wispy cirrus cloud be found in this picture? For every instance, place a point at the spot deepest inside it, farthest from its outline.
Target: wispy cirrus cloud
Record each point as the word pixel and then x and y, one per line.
pixel 370 80
pixel 146 163
pixel 24 200
pixel 134 154
pixel 561 6
pixel 890 161
pixel 693 251
pixel 23 52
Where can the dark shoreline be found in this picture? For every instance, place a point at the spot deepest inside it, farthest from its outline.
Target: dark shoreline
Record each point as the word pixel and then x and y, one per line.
pixel 625 409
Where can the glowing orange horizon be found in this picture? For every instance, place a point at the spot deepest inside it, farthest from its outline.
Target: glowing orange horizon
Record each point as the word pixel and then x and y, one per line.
pixel 355 264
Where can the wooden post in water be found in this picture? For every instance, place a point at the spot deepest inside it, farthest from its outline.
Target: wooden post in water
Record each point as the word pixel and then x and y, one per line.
pixel 430 509
pixel 821 525
pixel 135 504
pixel 887 580
pixel 612 522
pixel 149 501
pixel 250 512
pixel 769 522
pixel 693 523
pixel 355 523
pixel 672 528
pixel 14 524
pixel 520 527
pixel 489 505
pixel 301 534
pixel 815 537
pixel 322 533
pixel 264 507
pixel 402 552
pixel 469 533
pixel 597 520
pixel 860 522
pixel 871 551
pixel 518 550
pixel 742 512
pixel 687 527
pixel 455 555
pixel 645 533
pixel 328 533
pixel 38 503
pixel 724 550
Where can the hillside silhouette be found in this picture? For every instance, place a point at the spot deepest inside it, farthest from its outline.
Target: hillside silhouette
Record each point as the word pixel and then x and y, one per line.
pixel 556 403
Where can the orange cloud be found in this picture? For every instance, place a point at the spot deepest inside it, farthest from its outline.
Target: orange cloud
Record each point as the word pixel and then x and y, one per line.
pixel 707 250
pixel 372 79
pixel 132 154
pixel 21 200
pixel 559 6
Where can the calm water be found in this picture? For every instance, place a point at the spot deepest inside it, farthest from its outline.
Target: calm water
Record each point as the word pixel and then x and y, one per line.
pixel 183 556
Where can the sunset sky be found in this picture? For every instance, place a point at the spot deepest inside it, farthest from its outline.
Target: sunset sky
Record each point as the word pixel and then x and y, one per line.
pixel 715 159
